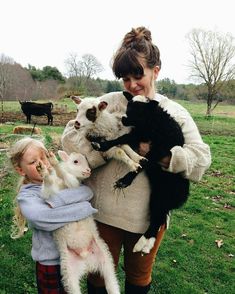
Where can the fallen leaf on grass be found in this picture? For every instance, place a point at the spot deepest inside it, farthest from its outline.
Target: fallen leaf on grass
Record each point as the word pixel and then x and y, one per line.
pixel 217 173
pixel 227 206
pixel 219 243
pixel 216 198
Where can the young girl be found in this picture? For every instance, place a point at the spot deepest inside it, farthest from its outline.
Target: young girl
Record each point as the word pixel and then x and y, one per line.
pixel 43 217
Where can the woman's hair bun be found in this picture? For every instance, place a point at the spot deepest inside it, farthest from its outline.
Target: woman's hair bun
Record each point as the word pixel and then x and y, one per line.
pixel 137 35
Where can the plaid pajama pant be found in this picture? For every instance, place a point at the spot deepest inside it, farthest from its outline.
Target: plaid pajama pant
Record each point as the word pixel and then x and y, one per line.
pixel 49 279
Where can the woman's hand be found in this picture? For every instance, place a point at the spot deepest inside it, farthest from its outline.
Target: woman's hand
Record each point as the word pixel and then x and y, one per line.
pixel 165 161
pixel 144 148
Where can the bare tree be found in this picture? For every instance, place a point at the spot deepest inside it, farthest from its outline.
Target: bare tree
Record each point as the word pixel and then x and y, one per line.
pixel 73 65
pixel 80 72
pixel 212 61
pixel 91 66
pixel 22 85
pixel 5 78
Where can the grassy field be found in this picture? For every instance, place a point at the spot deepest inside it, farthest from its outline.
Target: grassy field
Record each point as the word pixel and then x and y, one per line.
pixel 189 260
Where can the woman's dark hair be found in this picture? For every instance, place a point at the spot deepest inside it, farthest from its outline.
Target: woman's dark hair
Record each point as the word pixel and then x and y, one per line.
pixel 136 44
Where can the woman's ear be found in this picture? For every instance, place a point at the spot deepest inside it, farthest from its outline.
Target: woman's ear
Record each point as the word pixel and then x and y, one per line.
pixel 20 171
pixel 156 70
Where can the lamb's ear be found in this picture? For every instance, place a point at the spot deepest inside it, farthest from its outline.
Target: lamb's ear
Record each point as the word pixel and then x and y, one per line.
pixel 128 95
pixel 63 155
pixel 102 105
pixel 76 99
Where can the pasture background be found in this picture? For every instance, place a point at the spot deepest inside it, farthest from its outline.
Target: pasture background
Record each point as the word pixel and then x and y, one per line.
pixel 189 260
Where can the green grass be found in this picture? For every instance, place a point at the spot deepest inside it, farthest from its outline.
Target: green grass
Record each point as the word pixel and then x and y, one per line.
pixel 188 262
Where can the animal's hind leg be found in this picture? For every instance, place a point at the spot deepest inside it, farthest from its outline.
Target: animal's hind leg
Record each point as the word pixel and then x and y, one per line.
pixel 126 180
pixel 106 268
pixel 133 155
pixel 72 270
pixel 119 154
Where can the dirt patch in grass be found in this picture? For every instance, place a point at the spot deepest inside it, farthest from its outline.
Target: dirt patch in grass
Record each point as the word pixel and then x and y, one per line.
pixel 59 119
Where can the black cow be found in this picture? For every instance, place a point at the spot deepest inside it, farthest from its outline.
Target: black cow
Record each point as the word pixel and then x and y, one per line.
pixel 38 109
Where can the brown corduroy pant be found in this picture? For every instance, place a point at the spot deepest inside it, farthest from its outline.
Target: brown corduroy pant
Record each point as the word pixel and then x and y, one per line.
pixel 138 268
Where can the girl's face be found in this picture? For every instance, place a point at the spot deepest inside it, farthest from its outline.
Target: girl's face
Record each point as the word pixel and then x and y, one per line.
pixel 142 85
pixel 32 157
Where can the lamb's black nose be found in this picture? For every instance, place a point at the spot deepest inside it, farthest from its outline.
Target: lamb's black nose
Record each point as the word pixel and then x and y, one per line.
pixel 124 120
pixel 77 124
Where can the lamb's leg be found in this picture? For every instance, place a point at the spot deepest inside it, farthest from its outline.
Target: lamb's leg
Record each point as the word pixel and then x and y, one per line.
pixel 126 180
pixel 119 154
pixel 158 217
pixel 106 145
pixel 72 270
pixel 133 155
pixel 55 163
pixel 45 174
pixel 106 268
pixel 129 177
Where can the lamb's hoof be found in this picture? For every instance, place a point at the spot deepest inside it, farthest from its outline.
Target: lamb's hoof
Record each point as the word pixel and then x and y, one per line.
pixel 52 158
pixel 135 167
pixel 120 184
pixel 95 145
pixel 144 245
pixel 39 168
pixel 143 162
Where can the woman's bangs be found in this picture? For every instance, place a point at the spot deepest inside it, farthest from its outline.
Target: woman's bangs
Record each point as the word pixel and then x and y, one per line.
pixel 128 64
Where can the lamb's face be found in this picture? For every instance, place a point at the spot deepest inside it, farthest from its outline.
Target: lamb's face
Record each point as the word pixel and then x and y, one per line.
pixel 88 110
pixel 78 165
pixel 135 113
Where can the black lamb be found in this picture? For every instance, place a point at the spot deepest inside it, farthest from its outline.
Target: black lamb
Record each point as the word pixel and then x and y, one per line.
pixel 152 124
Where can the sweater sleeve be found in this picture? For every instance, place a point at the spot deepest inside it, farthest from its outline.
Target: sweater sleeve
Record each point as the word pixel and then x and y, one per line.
pixel 74 141
pixel 40 216
pixel 69 196
pixel 194 158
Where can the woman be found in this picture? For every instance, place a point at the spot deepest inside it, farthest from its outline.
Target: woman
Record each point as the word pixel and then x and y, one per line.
pixel 124 216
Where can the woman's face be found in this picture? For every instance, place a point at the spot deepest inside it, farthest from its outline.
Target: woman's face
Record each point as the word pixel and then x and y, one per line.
pixel 142 85
pixel 31 158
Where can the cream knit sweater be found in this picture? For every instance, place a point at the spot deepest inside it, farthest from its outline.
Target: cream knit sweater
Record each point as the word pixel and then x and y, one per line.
pixel 128 209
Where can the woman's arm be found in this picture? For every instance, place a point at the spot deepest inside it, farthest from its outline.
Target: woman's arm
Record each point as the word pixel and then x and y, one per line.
pixel 75 141
pixel 194 158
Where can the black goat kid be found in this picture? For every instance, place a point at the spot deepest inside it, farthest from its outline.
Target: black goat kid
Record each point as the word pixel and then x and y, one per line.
pixel 168 190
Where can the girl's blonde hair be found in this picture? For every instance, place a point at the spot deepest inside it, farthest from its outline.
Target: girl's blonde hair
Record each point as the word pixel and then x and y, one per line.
pixel 15 154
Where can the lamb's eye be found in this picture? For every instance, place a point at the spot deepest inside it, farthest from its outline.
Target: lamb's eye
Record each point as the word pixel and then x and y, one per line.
pixel 75 161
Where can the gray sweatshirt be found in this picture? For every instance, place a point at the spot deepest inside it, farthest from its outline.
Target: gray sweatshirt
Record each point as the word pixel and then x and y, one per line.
pixel 45 216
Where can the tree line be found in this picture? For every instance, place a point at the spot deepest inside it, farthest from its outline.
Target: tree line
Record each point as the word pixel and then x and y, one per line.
pixel 211 65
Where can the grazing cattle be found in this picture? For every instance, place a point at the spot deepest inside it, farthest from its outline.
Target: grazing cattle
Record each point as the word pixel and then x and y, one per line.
pixel 38 109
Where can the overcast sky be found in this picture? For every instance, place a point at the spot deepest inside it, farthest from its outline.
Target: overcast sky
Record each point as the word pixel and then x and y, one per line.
pixel 45 32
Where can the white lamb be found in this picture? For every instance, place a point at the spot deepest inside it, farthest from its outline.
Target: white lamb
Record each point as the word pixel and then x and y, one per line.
pixel 81 249
pixel 94 120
